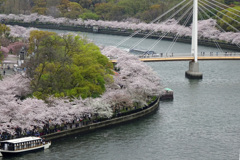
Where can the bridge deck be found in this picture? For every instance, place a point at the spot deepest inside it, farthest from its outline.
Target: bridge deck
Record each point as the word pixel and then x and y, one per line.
pixel 156 59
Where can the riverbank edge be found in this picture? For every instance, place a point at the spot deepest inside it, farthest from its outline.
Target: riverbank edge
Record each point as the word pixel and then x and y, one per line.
pixel 107 123
pixel 120 32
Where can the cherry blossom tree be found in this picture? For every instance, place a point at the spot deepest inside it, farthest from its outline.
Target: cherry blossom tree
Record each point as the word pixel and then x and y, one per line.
pixel 30 112
pixel 207 28
pixel 5 51
pixel 136 77
pixel 133 84
pixel 16 47
pixel 18 31
pixel 118 98
pixel 15 85
pixel 100 107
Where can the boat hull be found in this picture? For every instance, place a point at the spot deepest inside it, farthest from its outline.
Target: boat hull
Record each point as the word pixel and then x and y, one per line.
pixel 20 152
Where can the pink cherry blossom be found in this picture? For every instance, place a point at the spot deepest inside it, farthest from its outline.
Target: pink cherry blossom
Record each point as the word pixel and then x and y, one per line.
pixel 207 28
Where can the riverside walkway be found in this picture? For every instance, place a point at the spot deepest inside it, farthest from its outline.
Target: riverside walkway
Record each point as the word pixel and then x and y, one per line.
pixel 123 118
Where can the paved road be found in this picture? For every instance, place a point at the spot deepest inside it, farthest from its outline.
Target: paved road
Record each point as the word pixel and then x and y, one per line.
pixel 9 61
pixel 7 72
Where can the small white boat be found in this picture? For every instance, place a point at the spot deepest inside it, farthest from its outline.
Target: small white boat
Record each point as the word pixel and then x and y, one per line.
pixel 167 94
pixel 138 51
pixel 22 145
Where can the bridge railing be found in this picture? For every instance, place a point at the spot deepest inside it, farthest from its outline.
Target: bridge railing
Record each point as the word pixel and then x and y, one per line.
pixel 167 55
pixel 182 55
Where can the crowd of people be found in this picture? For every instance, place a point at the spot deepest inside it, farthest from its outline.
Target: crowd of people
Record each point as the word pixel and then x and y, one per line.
pixel 220 54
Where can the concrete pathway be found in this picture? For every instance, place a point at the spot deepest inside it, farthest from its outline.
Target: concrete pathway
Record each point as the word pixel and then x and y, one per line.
pixel 10 61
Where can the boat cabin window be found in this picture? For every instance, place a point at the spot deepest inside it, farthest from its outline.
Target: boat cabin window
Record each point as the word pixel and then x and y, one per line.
pixel 7 146
pixel 11 147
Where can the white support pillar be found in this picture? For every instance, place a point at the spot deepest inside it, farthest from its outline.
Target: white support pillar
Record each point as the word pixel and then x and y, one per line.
pixel 195 31
pixel 193 72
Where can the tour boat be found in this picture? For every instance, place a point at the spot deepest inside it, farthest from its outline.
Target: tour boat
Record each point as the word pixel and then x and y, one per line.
pixel 22 145
pixel 167 94
pixel 137 51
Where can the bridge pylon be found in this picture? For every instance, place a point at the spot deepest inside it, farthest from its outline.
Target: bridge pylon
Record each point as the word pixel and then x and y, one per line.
pixel 193 72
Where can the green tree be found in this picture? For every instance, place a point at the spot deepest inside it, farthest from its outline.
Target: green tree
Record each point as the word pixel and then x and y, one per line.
pixel 153 12
pixel 228 2
pixel 2 4
pixel 40 7
pixel 134 7
pixel 89 15
pixel 63 7
pixel 52 8
pixel 103 10
pixel 4 30
pixel 9 6
pixel 74 10
pixel 117 13
pixel 229 20
pixel 36 37
pixel 85 3
pixel 53 2
pixel 70 9
pixel 68 66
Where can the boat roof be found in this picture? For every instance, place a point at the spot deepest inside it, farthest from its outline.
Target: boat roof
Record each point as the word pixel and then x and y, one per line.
pixel 21 140
pixel 138 50
pixel 168 89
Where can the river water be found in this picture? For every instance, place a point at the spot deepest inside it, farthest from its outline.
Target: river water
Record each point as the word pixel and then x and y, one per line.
pixel 202 123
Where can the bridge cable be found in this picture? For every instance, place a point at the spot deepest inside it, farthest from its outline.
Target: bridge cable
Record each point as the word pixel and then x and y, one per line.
pixel 219 11
pixel 159 17
pixel 226 6
pixel 176 12
pixel 177 35
pixel 219 27
pixel 223 8
pixel 161 37
pixel 136 32
pixel 222 20
pixel 219 18
pixel 216 43
pixel 150 33
pixel 238 45
pixel 216 23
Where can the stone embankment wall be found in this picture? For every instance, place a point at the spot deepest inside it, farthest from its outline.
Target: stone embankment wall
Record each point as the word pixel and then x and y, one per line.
pixel 110 122
pixel 121 32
